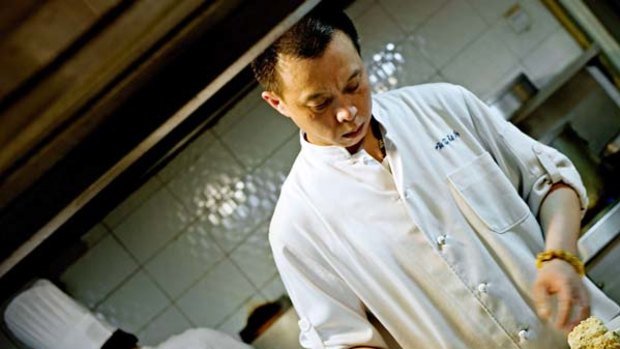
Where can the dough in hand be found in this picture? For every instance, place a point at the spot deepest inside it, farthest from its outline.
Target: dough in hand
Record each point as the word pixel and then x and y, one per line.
pixel 591 333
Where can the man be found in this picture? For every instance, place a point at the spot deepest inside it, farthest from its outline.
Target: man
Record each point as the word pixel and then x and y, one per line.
pixel 419 206
pixel 44 317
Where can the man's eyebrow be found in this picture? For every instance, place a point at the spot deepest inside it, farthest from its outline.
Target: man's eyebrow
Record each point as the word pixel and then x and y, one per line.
pixel 313 96
pixel 356 73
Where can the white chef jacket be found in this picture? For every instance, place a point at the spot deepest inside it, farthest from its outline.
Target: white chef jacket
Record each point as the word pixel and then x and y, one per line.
pixel 44 317
pixel 201 338
pixel 441 248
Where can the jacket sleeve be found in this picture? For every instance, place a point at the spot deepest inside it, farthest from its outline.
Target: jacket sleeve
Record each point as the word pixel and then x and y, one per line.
pixel 331 315
pixel 531 166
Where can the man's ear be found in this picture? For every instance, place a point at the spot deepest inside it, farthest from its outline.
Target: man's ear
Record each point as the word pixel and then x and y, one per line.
pixel 275 102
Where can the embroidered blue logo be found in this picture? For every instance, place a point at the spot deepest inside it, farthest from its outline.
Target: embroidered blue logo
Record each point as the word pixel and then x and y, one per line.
pixel 449 138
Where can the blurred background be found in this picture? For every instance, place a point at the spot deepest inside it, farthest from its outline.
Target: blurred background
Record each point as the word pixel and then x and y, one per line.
pixel 139 167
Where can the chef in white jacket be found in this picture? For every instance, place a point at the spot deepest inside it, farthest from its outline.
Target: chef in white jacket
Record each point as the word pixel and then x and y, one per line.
pixel 44 317
pixel 420 206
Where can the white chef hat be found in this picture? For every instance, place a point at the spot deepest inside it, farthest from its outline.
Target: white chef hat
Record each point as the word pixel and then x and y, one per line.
pixel 43 317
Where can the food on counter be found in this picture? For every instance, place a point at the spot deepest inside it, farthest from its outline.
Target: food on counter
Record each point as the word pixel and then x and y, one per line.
pixel 591 333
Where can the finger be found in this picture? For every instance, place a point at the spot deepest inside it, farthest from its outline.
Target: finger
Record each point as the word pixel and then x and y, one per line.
pixel 584 302
pixel 541 300
pixel 565 303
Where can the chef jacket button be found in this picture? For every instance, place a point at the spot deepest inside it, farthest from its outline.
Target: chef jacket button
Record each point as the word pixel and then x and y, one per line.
pixel 441 240
pixel 523 334
pixel 304 325
pixel 537 149
pixel 482 288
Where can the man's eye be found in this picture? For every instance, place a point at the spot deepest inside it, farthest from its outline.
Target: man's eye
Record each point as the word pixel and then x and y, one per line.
pixel 321 106
pixel 353 88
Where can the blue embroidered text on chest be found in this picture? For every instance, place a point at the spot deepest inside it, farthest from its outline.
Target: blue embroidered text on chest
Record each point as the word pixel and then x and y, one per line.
pixel 449 138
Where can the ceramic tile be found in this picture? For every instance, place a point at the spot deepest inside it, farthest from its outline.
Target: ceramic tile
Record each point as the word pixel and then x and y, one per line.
pixel 542 25
pixel 416 68
pixel 134 304
pixel 358 8
pixel 187 156
pixel 258 134
pixel 252 202
pixel 411 14
pixel 135 200
pixel 376 29
pixel 397 66
pixel 270 176
pixel 152 225
pixel 239 110
pixel 217 296
pixel 282 159
pixel 94 235
pixel 98 272
pixel 274 289
pixel 237 321
pixel 254 257
pixel 165 325
pixel 233 212
pixel 436 78
pixel 447 32
pixel 184 260
pixel 481 65
pixel 551 57
pixel 209 181
pixel 492 10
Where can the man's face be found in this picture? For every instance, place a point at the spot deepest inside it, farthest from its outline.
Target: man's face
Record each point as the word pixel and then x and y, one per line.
pixel 327 97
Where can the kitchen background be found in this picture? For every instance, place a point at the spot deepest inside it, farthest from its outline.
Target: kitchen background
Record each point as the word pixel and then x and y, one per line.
pixel 189 248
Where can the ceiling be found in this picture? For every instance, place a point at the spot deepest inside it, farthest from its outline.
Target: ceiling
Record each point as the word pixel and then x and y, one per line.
pixel 95 95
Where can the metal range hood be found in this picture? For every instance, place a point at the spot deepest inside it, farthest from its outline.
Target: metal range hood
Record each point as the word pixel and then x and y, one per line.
pixel 94 99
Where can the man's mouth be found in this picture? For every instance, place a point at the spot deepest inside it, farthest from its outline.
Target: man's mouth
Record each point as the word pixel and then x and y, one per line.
pixel 355 133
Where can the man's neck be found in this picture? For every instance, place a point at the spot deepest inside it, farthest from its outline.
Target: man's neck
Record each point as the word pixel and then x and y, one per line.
pixel 373 140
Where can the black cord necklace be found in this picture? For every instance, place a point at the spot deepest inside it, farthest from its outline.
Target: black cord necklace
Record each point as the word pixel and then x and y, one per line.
pixel 376 131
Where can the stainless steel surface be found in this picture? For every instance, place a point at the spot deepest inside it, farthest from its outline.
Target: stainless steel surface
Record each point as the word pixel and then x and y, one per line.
pixel 582 101
pixel 600 248
pixel 614 324
pixel 606 229
pixel 553 86
pixel 584 17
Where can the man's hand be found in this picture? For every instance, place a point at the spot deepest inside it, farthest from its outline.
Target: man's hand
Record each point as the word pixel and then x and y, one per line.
pixel 560 220
pixel 559 278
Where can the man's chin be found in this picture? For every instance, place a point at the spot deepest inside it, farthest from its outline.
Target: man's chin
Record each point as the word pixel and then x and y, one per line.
pixel 353 147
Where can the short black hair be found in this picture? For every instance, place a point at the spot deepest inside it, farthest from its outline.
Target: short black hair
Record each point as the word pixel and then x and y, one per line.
pixel 308 38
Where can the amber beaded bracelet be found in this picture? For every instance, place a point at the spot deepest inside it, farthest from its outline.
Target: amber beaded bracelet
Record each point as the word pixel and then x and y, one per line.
pixel 563 255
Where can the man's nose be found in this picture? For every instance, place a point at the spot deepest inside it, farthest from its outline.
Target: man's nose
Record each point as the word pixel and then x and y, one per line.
pixel 346 113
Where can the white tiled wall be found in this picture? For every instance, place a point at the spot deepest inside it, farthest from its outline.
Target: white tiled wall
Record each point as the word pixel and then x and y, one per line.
pixel 475 43
pixel 189 248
